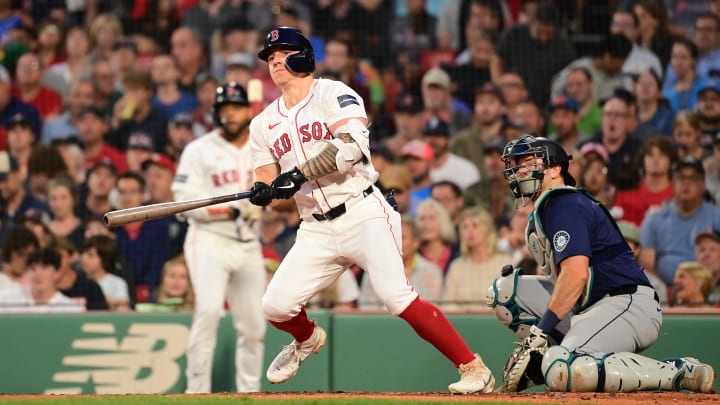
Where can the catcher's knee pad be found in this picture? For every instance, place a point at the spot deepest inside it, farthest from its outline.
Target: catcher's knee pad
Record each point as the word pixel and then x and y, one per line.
pixel 501 297
pixel 616 372
pixel 565 371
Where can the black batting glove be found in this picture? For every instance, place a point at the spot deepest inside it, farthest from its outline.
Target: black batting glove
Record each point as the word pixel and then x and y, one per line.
pixel 287 184
pixel 262 194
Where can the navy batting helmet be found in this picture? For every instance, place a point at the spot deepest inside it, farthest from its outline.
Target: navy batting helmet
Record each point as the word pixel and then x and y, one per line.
pixel 228 93
pixel 291 38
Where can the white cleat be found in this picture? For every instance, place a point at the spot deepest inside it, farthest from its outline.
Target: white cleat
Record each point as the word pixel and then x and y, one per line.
pixel 699 377
pixel 475 378
pixel 287 362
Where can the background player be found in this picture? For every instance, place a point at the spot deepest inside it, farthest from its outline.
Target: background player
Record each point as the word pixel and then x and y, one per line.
pixel 222 248
pixel 316 133
pixel 592 278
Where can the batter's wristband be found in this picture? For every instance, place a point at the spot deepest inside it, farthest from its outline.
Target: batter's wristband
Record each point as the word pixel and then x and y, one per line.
pixel 548 322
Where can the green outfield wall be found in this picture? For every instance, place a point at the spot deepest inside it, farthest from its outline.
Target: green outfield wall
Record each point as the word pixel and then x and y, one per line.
pixel 145 353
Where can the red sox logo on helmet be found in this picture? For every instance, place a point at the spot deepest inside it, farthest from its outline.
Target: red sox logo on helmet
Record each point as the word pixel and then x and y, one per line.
pixel 274 35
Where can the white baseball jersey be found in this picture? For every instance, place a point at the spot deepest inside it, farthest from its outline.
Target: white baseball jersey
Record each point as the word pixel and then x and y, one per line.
pixel 292 136
pixel 211 166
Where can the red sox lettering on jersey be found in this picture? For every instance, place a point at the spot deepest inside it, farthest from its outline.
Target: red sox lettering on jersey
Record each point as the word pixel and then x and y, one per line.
pixel 308 132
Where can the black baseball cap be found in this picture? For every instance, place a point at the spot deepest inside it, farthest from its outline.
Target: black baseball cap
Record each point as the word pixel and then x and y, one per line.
pixel 436 126
pixel 408 103
pixel 90 110
pixel 691 162
pixel 19 119
pixel 181 119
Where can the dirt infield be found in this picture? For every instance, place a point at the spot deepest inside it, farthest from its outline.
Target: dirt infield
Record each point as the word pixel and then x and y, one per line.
pixel 645 398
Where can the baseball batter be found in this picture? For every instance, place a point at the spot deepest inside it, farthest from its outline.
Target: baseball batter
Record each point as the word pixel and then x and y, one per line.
pixel 222 247
pixel 312 144
pixel 583 324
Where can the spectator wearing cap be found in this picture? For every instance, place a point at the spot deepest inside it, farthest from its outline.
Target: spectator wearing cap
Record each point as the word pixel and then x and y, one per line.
pixel 438 100
pixel 708 110
pixel 203 114
pixel 409 122
pixel 488 121
pixel 159 173
pixel 125 59
pixel 655 162
pixel 418 156
pixel 95 201
pixel 180 133
pixel 579 85
pixel 488 192
pixel 10 106
pixel 445 164
pixel 682 93
pixel 16 199
pixel 188 51
pixel 168 97
pixel 528 115
pixel 652 109
pixel 92 129
pixel 686 214
pixel 605 65
pixel 61 75
pixel 81 95
pixel 535 50
pixel 20 139
pixel 707 253
pixel 621 147
pixel 104 81
pixel 474 70
pixel 140 148
pixel 397 178
pixel 145 244
pixel 564 119
pixel 631 234
pixel 30 89
pixel 687 136
pixel 134 113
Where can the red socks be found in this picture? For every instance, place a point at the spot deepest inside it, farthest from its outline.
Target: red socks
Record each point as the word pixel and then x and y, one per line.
pixel 431 324
pixel 299 327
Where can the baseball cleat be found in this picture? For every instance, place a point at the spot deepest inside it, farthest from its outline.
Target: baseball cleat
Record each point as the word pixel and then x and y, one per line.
pixel 475 378
pixel 699 377
pixel 287 362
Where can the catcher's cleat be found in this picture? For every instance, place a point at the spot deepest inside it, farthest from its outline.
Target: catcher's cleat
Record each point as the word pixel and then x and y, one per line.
pixel 475 378
pixel 699 377
pixel 287 362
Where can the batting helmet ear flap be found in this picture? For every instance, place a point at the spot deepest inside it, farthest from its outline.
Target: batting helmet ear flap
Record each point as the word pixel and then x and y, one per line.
pixel 301 62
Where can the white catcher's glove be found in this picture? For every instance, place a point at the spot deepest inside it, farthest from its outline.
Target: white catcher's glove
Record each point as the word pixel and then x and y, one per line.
pixel 523 368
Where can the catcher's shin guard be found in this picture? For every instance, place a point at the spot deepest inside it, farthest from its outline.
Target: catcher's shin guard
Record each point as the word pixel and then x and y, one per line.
pixel 501 297
pixel 565 371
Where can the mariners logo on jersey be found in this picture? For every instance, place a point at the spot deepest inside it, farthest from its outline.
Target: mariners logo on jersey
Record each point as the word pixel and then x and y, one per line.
pixel 560 240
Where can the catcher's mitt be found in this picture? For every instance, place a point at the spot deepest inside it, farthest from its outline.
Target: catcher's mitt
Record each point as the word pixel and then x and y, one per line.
pixel 523 368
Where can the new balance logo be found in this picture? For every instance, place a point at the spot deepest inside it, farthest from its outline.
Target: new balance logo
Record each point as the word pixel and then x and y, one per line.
pixel 141 359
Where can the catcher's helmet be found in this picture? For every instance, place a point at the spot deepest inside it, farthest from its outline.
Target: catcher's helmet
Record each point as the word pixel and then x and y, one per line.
pixel 228 93
pixel 291 38
pixel 551 153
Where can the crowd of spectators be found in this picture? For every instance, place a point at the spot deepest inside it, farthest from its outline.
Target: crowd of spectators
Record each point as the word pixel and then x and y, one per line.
pixel 99 98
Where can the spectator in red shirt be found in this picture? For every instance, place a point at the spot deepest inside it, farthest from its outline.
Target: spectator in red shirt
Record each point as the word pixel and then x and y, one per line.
pixel 654 161
pixel 30 90
pixel 91 128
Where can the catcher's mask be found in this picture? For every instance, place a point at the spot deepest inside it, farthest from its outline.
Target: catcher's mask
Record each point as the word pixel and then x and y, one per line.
pixel 526 186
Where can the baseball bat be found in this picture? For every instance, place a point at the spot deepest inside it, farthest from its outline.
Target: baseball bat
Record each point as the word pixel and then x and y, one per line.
pixel 162 210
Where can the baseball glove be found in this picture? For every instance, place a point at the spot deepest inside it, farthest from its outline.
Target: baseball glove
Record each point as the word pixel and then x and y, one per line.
pixel 523 368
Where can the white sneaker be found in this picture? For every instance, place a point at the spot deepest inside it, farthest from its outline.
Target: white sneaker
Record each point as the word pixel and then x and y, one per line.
pixel 475 378
pixel 699 377
pixel 287 362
